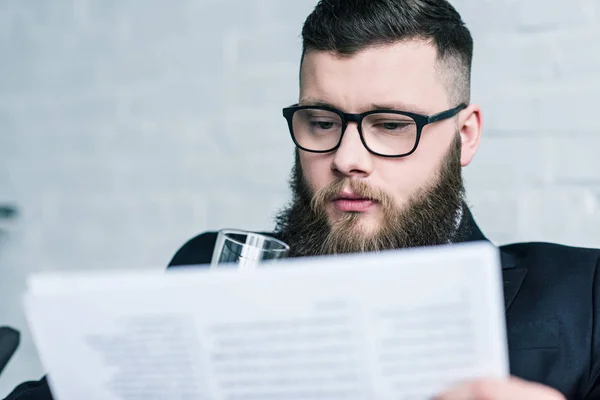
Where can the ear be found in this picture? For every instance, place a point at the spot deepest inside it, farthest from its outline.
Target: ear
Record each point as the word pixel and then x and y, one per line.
pixel 470 125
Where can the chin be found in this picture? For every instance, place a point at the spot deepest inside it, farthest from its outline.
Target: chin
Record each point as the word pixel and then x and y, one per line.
pixel 362 224
pixel 368 226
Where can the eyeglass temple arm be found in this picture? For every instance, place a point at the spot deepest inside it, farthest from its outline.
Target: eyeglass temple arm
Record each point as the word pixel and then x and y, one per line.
pixel 446 114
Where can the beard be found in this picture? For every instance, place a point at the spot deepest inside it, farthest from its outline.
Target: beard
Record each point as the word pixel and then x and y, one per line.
pixel 430 217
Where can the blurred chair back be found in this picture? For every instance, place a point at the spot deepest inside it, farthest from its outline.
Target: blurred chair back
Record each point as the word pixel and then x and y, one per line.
pixel 9 342
pixel 9 338
pixel 8 214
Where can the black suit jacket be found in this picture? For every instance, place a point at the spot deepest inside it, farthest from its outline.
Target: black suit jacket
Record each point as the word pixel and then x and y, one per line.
pixel 552 301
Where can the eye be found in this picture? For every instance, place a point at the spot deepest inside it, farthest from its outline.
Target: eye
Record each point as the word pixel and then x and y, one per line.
pixel 317 122
pixel 325 125
pixel 389 125
pixel 394 125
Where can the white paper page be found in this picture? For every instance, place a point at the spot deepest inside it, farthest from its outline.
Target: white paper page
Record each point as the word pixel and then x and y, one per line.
pixel 394 325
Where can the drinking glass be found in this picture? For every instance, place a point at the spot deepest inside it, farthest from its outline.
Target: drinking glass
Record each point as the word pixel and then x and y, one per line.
pixel 244 249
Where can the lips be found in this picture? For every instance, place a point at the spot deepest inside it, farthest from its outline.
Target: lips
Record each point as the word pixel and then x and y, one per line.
pixel 351 202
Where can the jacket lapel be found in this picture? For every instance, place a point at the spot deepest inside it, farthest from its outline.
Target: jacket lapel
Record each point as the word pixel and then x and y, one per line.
pixel 513 278
pixel 512 275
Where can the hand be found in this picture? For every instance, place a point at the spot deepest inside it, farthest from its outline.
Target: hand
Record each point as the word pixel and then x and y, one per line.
pixel 500 389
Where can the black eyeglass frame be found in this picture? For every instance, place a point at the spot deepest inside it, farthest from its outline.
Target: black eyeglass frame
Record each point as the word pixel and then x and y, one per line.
pixel 420 119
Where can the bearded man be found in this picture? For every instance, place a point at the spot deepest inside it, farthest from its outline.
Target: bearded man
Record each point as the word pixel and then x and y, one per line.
pixel 383 127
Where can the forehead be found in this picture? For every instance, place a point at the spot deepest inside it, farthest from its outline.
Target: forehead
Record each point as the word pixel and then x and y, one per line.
pixel 403 74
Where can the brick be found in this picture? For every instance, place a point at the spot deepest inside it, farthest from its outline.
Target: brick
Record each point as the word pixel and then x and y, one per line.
pixel 579 54
pixel 497 213
pixel 254 131
pixel 575 160
pixel 568 109
pixel 508 114
pixel 252 210
pixel 547 109
pixel 515 162
pixel 279 88
pixel 568 215
pixel 272 44
pixel 186 98
pixel 524 16
pixel 258 169
pixel 532 15
pixel 226 14
pixel 293 12
pixel 502 59
pixel 484 16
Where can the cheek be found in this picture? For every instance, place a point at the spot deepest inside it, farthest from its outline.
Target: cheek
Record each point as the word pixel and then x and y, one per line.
pixel 316 169
pixel 404 177
pixel 401 178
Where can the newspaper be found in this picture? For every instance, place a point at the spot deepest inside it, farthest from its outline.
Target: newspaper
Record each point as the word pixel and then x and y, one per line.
pixel 390 325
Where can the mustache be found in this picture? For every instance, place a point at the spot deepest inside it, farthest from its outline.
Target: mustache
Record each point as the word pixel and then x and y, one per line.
pixel 323 196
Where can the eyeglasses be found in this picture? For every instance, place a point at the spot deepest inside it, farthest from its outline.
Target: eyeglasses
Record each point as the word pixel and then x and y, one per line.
pixel 386 133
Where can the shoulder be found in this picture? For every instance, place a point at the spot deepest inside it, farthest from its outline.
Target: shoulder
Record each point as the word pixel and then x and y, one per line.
pixel 34 390
pixel 555 261
pixel 196 251
pixel 552 253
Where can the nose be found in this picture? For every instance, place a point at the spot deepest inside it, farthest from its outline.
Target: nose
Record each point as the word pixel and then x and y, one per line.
pixel 351 158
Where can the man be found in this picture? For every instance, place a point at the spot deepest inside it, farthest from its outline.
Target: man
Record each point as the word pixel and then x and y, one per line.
pixel 383 127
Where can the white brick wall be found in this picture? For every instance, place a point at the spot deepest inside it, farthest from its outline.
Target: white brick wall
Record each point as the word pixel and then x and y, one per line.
pixel 126 129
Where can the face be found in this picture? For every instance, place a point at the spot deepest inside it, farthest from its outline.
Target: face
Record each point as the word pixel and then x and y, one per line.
pixel 356 194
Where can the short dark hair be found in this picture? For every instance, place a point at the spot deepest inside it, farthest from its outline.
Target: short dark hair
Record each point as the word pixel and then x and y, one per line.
pixel 349 26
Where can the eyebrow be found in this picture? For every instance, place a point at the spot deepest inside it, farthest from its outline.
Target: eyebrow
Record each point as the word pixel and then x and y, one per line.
pixel 400 106
pixel 310 101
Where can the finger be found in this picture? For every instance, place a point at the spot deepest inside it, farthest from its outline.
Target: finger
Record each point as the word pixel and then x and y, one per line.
pixel 500 389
